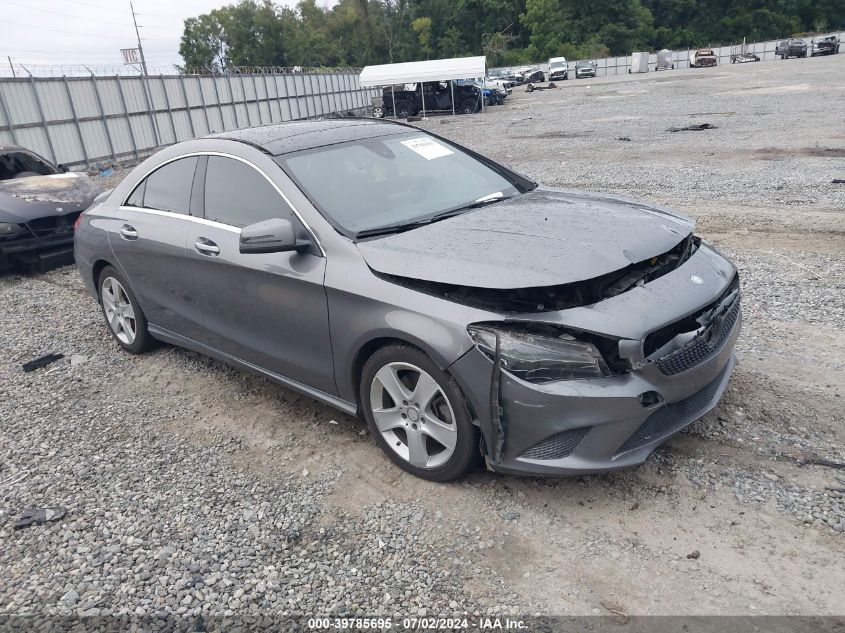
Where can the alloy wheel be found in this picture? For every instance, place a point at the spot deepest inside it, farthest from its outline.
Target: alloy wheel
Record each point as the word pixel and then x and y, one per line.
pixel 413 415
pixel 119 311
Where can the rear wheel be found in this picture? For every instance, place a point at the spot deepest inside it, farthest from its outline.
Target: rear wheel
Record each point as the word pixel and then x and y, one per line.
pixel 123 314
pixel 404 109
pixel 417 414
pixel 467 106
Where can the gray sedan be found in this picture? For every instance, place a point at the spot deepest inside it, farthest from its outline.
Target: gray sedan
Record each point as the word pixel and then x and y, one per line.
pixel 465 312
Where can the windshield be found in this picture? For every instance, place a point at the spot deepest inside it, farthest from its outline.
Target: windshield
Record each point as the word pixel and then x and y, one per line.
pixel 584 64
pixel 392 180
pixel 557 65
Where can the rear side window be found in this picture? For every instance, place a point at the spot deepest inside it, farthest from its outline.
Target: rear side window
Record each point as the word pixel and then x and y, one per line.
pixel 167 188
pixel 238 195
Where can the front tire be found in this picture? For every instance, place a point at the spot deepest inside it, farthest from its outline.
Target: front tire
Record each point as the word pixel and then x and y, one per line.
pixel 122 312
pixel 417 415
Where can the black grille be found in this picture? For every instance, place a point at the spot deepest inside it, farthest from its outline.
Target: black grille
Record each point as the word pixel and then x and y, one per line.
pixel 673 417
pixel 57 225
pixel 704 346
pixel 557 446
pixel 659 338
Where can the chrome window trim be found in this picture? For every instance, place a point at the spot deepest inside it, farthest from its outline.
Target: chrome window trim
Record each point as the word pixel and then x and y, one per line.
pixel 184 216
pixel 126 207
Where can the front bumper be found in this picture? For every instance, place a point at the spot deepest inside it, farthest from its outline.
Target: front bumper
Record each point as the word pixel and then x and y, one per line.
pixel 558 76
pixel 585 73
pixel 586 426
pixel 43 252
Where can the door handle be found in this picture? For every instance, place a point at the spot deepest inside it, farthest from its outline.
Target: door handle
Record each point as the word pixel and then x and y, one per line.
pixel 206 247
pixel 128 232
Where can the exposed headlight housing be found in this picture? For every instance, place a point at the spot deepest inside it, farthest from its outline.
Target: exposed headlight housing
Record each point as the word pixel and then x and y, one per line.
pixel 7 228
pixel 540 358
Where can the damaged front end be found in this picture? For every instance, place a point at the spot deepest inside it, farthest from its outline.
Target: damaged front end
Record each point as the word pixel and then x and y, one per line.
pixel 557 297
pixel 37 217
pixel 567 396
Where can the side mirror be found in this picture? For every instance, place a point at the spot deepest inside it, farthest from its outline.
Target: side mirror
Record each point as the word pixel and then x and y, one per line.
pixel 271 236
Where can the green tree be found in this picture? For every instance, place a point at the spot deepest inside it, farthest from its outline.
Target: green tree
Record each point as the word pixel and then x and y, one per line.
pixel 203 42
pixel 360 32
pixel 550 26
pixel 422 27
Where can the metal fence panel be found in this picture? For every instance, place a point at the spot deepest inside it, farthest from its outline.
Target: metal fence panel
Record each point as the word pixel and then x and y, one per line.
pixel 95 119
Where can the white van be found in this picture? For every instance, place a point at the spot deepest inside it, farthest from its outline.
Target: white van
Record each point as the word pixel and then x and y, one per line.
pixel 558 69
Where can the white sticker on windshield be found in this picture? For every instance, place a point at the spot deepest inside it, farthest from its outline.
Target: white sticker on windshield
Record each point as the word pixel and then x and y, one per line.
pixel 427 148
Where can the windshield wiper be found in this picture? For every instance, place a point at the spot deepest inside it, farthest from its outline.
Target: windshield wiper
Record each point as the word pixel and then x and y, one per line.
pixel 392 228
pixel 443 215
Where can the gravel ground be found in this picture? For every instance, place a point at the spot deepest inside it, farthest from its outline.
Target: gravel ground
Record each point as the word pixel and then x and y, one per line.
pixel 194 490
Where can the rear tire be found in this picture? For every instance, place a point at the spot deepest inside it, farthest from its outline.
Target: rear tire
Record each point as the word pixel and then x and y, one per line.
pixel 468 106
pixel 122 312
pixel 404 109
pixel 415 413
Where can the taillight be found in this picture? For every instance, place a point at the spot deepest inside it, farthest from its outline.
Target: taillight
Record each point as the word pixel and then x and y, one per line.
pixel 78 222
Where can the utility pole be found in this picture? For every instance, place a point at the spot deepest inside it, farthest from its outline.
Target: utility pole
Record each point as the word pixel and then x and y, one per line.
pixel 147 93
pixel 138 35
pixel 11 65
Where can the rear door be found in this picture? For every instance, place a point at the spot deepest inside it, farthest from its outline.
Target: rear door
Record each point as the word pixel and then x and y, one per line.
pixel 267 309
pixel 148 240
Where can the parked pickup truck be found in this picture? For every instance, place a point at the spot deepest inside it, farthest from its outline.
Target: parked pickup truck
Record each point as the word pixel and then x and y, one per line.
pixel 438 97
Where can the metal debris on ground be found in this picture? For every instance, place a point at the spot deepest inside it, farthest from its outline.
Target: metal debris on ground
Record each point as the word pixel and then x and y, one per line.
pixel 693 128
pixel 814 461
pixel 42 361
pixel 39 515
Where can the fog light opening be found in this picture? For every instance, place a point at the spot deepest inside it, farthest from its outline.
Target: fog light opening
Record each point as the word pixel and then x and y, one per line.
pixel 650 399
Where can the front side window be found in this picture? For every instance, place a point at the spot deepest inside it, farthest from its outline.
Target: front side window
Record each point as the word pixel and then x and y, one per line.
pixel 368 184
pixel 238 195
pixel 167 188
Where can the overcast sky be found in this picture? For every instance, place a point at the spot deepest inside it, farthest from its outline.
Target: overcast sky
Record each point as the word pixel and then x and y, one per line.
pixel 92 32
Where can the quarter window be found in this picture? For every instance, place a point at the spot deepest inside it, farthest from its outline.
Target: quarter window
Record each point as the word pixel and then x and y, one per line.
pixel 237 194
pixel 137 197
pixel 167 188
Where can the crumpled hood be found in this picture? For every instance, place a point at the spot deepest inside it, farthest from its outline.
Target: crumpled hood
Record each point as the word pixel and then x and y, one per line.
pixel 546 237
pixel 24 199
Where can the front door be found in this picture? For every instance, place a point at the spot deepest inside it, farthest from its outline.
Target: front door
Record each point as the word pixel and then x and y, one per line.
pixel 269 310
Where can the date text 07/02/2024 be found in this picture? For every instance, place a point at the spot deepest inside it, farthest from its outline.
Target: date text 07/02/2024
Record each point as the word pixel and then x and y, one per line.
pixel 417 623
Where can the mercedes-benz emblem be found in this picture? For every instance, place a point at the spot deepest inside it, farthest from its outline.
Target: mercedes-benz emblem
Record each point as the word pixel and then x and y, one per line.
pixel 696 279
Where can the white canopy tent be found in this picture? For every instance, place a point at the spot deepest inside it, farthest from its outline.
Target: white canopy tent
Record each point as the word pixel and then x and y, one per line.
pixel 421 72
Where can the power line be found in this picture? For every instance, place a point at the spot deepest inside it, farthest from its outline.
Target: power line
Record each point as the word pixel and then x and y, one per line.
pixel 66 32
pixel 67 15
pixel 15 51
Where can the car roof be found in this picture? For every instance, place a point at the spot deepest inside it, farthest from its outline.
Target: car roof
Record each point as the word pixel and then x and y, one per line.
pixel 293 136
